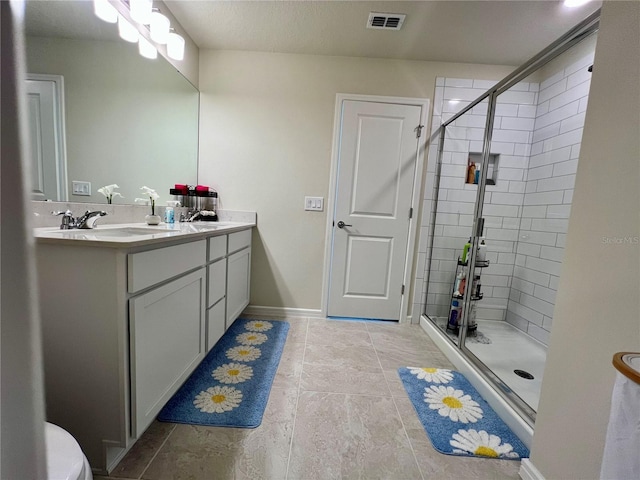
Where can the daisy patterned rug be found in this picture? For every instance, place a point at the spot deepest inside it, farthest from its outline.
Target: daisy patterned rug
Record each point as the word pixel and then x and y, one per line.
pixel 458 421
pixel 231 386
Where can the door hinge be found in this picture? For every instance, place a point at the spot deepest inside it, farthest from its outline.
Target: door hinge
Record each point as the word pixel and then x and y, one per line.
pixel 402 291
pixel 411 212
pixel 418 130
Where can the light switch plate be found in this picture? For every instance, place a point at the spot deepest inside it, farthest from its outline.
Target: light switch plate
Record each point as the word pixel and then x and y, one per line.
pixel 81 188
pixel 314 204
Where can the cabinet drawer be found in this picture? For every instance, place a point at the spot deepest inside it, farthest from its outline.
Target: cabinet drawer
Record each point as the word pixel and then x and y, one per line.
pixel 215 323
pixel 217 247
pixel 239 240
pixel 217 273
pixel 154 266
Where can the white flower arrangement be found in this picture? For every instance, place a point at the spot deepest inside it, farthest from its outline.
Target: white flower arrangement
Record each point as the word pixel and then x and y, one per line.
pixel 108 191
pixel 153 196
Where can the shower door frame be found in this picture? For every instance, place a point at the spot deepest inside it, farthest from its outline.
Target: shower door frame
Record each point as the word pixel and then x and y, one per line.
pixel 574 36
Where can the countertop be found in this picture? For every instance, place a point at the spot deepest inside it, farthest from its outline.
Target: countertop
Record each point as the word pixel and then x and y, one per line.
pixel 128 235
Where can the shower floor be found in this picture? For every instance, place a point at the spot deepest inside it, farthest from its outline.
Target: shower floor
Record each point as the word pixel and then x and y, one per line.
pixel 511 349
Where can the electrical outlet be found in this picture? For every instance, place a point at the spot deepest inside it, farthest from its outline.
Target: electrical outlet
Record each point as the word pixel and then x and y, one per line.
pixel 314 204
pixel 81 188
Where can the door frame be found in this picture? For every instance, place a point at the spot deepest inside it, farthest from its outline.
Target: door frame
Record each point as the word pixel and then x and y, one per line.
pixel 423 103
pixel 61 134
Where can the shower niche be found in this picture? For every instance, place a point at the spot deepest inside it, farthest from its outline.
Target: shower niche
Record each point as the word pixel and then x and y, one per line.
pixel 474 166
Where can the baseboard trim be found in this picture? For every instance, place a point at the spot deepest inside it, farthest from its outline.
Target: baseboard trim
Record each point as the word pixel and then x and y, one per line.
pixel 282 311
pixel 528 471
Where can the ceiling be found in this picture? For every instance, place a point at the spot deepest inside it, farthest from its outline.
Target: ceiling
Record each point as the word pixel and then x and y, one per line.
pixel 480 31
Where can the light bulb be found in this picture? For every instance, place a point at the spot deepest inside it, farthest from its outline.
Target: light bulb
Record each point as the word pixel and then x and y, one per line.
pixel 127 31
pixel 105 11
pixel 175 46
pixel 159 28
pixel 141 10
pixel 146 49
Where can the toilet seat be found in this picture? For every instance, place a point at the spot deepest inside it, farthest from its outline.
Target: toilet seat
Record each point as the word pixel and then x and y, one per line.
pixel 65 460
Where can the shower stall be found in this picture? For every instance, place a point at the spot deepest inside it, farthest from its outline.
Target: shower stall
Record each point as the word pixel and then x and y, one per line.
pixel 502 164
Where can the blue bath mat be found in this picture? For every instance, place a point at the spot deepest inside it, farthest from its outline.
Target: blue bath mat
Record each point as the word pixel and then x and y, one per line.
pixel 231 386
pixel 456 418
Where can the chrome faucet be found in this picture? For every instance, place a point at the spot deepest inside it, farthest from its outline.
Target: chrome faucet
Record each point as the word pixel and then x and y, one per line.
pixel 87 220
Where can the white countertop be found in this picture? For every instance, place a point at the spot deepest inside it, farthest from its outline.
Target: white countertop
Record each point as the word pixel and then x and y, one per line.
pixel 128 235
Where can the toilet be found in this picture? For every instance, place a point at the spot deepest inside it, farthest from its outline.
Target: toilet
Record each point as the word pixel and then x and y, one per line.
pixel 65 460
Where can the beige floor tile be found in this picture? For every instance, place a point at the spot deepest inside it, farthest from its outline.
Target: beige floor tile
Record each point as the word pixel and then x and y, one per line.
pixel 290 366
pixel 344 379
pixel 363 357
pixel 195 452
pixel 394 383
pixel 338 333
pixel 137 459
pixel 349 436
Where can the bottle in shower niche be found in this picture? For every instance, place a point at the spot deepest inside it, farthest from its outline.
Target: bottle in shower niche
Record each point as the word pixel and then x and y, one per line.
pixel 454 315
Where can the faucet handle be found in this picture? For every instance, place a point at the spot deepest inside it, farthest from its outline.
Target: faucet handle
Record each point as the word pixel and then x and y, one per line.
pixel 67 219
pixel 66 213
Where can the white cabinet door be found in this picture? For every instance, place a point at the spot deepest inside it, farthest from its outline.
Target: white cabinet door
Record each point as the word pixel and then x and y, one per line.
pixel 215 323
pixel 167 342
pixel 238 283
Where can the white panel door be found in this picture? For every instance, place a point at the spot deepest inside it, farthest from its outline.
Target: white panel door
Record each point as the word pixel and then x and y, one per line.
pixel 46 137
pixel 376 168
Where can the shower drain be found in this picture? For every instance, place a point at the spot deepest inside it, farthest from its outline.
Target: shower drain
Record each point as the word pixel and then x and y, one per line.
pixel 523 374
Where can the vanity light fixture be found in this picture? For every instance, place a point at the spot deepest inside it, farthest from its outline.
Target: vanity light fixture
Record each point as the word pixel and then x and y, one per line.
pixel 146 49
pixel 105 11
pixel 175 46
pixel 159 28
pixel 141 10
pixel 127 31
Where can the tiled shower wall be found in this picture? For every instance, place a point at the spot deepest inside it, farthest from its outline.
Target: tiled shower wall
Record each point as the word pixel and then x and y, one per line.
pixel 537 132
pixel 547 202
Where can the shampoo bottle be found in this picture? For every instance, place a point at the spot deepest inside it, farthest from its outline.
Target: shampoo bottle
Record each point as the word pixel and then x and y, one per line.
pixel 465 251
pixel 482 252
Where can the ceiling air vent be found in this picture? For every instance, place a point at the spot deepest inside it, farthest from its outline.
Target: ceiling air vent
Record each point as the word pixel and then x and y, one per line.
pixel 385 21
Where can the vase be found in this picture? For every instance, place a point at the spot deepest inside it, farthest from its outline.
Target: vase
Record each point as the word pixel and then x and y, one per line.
pixel 152 219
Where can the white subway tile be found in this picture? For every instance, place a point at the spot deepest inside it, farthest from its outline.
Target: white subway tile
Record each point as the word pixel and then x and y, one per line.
pixel 575 151
pixel 513 161
pixel 544 133
pixel 545 266
pixel 529 249
pixel 516 187
pixel 533 276
pixel 526 313
pixel 502 148
pixel 456 145
pixel 572 123
pixel 572 94
pixel 506 110
pixel 501 187
pixel 500 234
pixel 452 182
pixel 547 323
pixel 516 174
pixel 481 108
pixel 531 186
pixel 444 254
pixel 526 98
pixel 552 90
pixel 569 167
pixel 467 120
pixel 515 136
pixel 484 84
pixel 552 156
pixel 521 260
pixel 544 198
pixel 583 104
pixel 453 170
pixel 507 198
pixel 464 133
pixel 542 108
pixel 568 196
pixel 499 269
pixel 492 222
pixel 455 207
pixel 459 93
pixel 582 63
pixel 580 76
pixel 534 87
pixel 475 147
pixel 556 77
pixel 522 149
pixel 552 253
pixel 500 292
pixel 500 246
pixel 558 211
pixel 507 259
pixel 538 333
pixel 557 115
pixel 554 282
pixel 501 210
pixel 457 158
pixel 527 111
pixel 453 107
pixel 511 223
pixel 536 148
pixel 458 82
pixel 546 294
pixel 523 285
pixel 494 280
pixel 462 196
pixel 562 240
pixel 525 223
pixel 538 238
pixel 556 183
pixel 518 123
pixel 492 256
pixel 537 304
pixel 447 219
pixel 520 87
pixel 546 171
pixel 516 320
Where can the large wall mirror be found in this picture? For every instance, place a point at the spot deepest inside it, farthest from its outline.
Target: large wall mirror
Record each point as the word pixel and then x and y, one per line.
pixel 128 120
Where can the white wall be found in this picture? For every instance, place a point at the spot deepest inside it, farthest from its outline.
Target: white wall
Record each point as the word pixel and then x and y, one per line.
pixel 597 311
pixel 265 142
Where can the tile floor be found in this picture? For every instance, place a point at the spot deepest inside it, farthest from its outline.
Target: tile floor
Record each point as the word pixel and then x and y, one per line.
pixel 337 409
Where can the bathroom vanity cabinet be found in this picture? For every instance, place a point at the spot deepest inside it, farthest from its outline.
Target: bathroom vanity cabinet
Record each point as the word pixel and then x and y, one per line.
pixel 125 324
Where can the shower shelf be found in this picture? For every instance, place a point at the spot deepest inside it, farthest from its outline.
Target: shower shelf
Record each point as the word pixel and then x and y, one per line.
pixel 484 264
pixel 473 297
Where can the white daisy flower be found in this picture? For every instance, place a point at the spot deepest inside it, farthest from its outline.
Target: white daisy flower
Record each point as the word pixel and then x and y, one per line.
pixel 452 403
pixel 218 399
pixel 434 375
pixel 243 353
pixel 258 326
pixel 233 373
pixel 251 338
pixel 481 443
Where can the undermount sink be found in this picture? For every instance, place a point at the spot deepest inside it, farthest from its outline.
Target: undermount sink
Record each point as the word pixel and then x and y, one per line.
pixel 111 232
pixel 199 227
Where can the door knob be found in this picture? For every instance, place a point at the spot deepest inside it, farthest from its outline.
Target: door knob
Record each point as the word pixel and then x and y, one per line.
pixel 341 224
